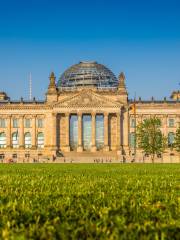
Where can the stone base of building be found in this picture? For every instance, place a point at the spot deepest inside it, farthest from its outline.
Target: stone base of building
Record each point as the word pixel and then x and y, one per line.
pixel 93 149
pixel 106 149
pixel 50 155
pixel 66 149
pixel 79 149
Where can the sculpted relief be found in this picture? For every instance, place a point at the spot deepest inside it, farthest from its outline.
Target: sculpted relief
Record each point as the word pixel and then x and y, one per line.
pixel 88 99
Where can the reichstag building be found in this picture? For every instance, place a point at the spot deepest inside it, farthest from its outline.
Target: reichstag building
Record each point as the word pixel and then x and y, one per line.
pixel 86 116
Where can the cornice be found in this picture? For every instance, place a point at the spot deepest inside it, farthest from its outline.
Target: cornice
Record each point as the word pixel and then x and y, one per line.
pixel 24 107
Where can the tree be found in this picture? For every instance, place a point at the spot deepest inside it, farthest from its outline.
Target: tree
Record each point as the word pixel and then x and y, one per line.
pixel 177 140
pixel 150 138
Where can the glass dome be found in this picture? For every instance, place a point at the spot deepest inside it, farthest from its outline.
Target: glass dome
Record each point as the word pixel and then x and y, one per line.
pixel 88 74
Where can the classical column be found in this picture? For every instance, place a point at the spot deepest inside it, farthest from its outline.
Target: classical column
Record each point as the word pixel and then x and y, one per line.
pixel 165 123
pixel 34 135
pixel 79 148
pixel 21 132
pixel 106 132
pixel 126 130
pixel 118 131
pixel 93 134
pixel 67 148
pixel 54 131
pixel 48 131
pixel 9 137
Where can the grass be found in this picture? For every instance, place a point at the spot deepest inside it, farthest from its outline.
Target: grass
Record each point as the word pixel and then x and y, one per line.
pixel 89 201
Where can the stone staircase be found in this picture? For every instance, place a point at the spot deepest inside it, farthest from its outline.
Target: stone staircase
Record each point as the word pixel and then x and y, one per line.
pixel 89 157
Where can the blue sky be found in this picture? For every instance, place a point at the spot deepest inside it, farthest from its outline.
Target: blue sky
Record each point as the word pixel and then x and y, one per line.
pixel 141 38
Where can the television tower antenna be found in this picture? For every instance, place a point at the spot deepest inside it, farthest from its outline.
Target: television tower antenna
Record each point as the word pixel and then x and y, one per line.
pixel 30 87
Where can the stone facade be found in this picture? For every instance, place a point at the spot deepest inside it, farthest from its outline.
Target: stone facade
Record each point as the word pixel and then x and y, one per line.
pixel 40 130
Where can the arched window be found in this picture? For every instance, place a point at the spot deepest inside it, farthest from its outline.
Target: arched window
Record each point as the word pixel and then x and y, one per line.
pixel 171 136
pixel 2 140
pixel 40 140
pixel 27 140
pixel 132 139
pixel 15 140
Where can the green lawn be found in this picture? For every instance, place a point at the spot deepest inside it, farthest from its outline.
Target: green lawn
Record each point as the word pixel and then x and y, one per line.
pixel 90 201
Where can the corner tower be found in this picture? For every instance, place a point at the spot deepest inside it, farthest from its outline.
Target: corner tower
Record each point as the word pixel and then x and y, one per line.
pixel 51 95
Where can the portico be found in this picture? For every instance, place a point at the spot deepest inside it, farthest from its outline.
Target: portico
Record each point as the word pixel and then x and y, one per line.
pixel 86 132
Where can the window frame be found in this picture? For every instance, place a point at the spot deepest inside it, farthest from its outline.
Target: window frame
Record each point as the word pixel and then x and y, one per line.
pixel 40 140
pixel 170 144
pixel 15 120
pixel 38 123
pixel 2 123
pixel 134 139
pixel 3 140
pixel 171 124
pixel 132 123
pixel 15 142
pixel 27 120
pixel 2 156
pixel 27 140
pixel 14 156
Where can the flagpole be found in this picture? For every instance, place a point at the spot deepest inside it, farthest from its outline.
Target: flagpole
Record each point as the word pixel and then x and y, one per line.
pixel 30 87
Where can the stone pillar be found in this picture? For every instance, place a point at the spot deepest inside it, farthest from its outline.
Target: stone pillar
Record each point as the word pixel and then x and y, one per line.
pixel 118 131
pixel 165 124
pixel 93 134
pixel 9 134
pixel 67 147
pixel 80 147
pixel 126 130
pixel 21 132
pixel 47 130
pixel 54 131
pixel 106 132
pixel 34 135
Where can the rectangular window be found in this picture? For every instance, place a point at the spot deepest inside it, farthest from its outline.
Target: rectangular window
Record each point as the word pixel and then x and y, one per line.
pixel 133 123
pixel 27 123
pixel 2 123
pixel 132 139
pixel 1 156
pixel 15 123
pixel 171 122
pixel 40 123
pixel 14 155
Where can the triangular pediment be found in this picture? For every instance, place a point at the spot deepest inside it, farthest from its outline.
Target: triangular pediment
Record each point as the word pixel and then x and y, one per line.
pixel 89 99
